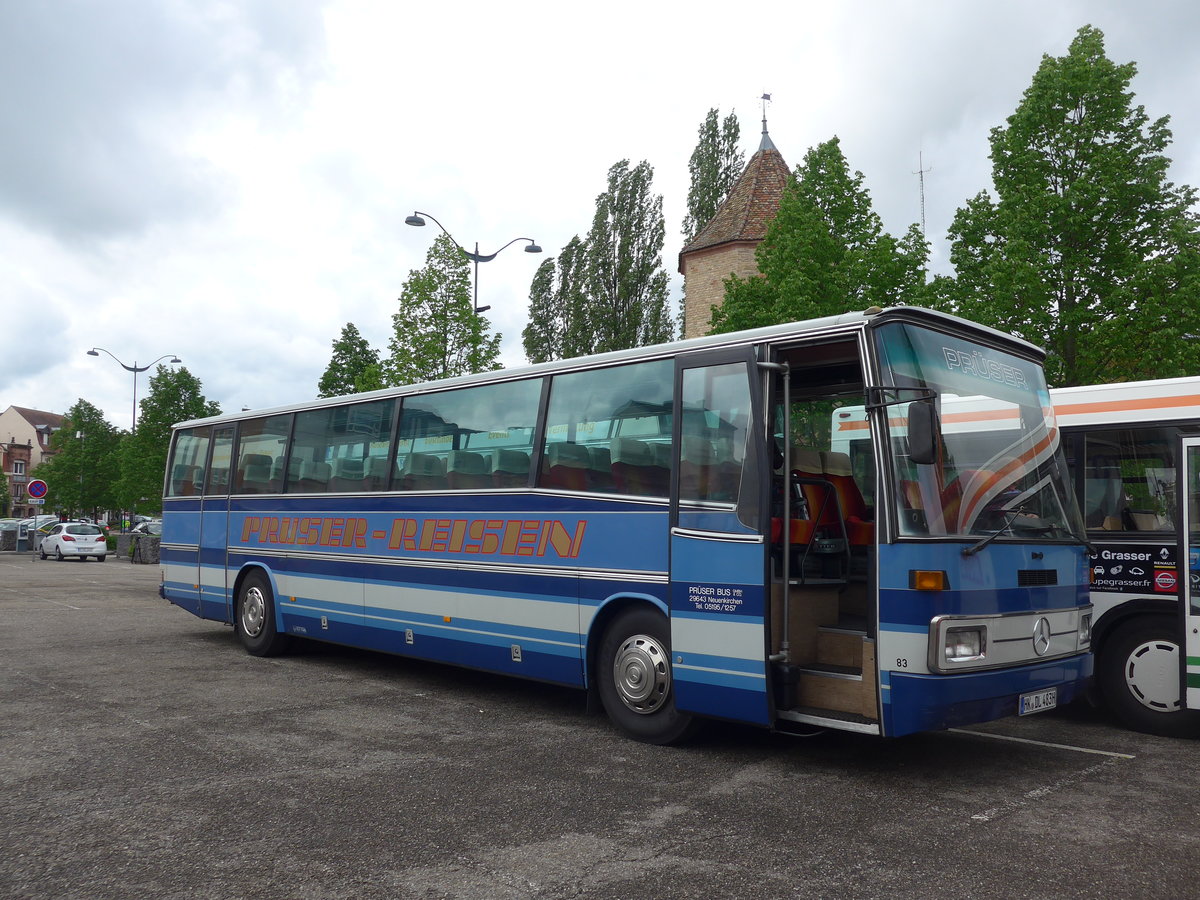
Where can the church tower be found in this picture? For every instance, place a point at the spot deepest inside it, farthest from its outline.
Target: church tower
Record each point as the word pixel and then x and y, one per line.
pixel 726 245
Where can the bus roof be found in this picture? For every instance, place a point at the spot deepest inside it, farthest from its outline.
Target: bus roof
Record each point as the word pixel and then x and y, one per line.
pixel 1128 402
pixel 844 322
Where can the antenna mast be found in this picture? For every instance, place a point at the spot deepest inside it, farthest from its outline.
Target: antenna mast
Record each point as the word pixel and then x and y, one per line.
pixel 921 170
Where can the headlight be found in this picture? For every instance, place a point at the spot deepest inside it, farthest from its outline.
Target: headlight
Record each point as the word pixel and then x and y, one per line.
pixel 1085 629
pixel 966 643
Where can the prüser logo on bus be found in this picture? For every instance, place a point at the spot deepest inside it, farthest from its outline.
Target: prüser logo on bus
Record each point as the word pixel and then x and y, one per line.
pixel 504 537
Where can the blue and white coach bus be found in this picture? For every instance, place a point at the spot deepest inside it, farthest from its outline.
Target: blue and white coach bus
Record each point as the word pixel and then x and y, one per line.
pixel 668 527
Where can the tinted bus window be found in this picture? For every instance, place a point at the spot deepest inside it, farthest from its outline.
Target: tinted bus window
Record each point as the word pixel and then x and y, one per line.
pixel 610 430
pixel 341 448
pixel 468 439
pixel 716 405
pixel 261 446
pixel 187 462
pixel 1129 479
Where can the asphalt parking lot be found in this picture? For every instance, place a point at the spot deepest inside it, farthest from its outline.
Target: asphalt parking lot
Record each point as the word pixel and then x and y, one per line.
pixel 143 754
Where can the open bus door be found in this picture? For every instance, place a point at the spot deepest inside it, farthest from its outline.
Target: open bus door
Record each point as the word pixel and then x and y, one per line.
pixel 1189 580
pixel 718 552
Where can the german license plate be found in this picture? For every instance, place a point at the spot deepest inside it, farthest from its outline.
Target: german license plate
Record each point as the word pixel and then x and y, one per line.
pixel 1038 701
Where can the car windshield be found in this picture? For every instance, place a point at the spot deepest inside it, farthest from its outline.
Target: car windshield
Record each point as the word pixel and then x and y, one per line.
pixel 998 467
pixel 82 529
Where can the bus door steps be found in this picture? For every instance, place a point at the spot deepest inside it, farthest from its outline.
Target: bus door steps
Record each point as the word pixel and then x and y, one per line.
pixel 827 718
pixel 839 687
pixel 841 645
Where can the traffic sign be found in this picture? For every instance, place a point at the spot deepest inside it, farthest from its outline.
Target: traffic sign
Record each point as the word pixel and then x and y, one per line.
pixel 34 502
pixel 36 489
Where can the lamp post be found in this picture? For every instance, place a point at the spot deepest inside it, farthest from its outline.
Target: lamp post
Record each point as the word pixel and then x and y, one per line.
pixel 418 219
pixel 135 369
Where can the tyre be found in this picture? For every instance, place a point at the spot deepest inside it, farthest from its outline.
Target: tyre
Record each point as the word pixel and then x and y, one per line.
pixel 58 554
pixel 102 557
pixel 42 551
pixel 633 673
pixel 1138 675
pixel 254 618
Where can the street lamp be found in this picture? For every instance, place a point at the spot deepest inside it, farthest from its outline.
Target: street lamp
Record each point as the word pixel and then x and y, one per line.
pixel 417 218
pixel 135 368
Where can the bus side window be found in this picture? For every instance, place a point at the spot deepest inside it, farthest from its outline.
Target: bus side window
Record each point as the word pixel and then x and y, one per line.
pixel 604 429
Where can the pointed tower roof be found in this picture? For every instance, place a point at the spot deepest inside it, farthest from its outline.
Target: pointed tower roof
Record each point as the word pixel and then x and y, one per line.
pixel 751 204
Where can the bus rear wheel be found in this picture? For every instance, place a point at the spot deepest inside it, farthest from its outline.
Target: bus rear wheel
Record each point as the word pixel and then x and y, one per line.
pixel 634 679
pixel 1139 678
pixel 254 619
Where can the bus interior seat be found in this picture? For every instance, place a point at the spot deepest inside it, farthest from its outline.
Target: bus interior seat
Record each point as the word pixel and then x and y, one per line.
pixel 467 470
pixel 296 470
pixel 566 466
pixel 183 478
pixel 698 468
pixel 599 469
pixel 633 467
pixel 254 474
pixel 377 473
pixel 316 478
pixel 860 529
pixel 423 472
pixel 510 468
pixel 348 474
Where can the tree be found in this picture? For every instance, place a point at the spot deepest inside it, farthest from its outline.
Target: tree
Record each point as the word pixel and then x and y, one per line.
pixel 825 253
pixel 1088 250
pixel 354 366
pixel 559 324
pixel 714 166
pixel 624 281
pixel 436 332
pixel 5 496
pixel 174 396
pixel 82 470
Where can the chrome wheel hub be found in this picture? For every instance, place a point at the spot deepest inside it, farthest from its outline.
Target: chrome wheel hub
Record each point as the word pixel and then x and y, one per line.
pixel 254 611
pixel 642 674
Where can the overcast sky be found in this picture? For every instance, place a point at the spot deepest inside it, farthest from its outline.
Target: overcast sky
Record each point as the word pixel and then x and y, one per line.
pixel 228 181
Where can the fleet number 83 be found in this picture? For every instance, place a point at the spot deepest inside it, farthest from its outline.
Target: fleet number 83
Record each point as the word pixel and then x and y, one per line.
pixel 901 662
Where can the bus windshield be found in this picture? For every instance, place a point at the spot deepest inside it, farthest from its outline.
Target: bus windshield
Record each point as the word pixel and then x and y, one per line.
pixel 997 468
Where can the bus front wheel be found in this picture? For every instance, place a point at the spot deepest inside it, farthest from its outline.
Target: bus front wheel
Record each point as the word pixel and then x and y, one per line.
pixel 634 675
pixel 1138 673
pixel 254 621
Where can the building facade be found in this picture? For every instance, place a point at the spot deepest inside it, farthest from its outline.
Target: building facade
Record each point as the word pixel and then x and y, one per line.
pixel 24 443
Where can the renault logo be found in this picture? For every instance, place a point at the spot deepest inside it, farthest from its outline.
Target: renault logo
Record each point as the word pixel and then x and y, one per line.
pixel 1041 636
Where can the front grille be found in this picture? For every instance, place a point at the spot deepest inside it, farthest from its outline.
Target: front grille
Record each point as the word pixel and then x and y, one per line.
pixel 1036 577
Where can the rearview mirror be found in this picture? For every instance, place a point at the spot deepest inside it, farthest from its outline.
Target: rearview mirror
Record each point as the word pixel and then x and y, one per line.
pixel 924 432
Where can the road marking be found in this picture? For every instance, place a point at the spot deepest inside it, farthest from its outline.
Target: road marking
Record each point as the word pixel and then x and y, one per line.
pixel 1018 740
pixel 1016 804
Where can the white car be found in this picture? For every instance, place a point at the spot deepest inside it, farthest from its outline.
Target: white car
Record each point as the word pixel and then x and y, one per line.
pixel 75 539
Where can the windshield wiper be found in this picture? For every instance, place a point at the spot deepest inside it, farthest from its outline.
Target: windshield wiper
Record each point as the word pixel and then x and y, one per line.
pixel 975 548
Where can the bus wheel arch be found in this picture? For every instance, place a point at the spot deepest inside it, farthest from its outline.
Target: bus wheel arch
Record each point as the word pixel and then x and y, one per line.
pixel 1137 672
pixel 631 669
pixel 254 614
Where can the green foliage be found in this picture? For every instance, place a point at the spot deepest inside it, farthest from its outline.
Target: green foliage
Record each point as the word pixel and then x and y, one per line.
pixel 714 166
pixel 610 291
pixel 354 366
pixel 5 497
pixel 82 470
pixel 1087 250
pixel 558 319
pixel 436 332
pixel 175 395
pixel 825 253
pixel 624 281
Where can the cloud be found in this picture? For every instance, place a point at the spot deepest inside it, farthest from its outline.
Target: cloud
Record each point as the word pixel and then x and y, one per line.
pixel 99 99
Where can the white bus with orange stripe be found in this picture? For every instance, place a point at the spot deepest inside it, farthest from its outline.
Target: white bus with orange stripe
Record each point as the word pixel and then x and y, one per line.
pixel 1133 454
pixel 1132 460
